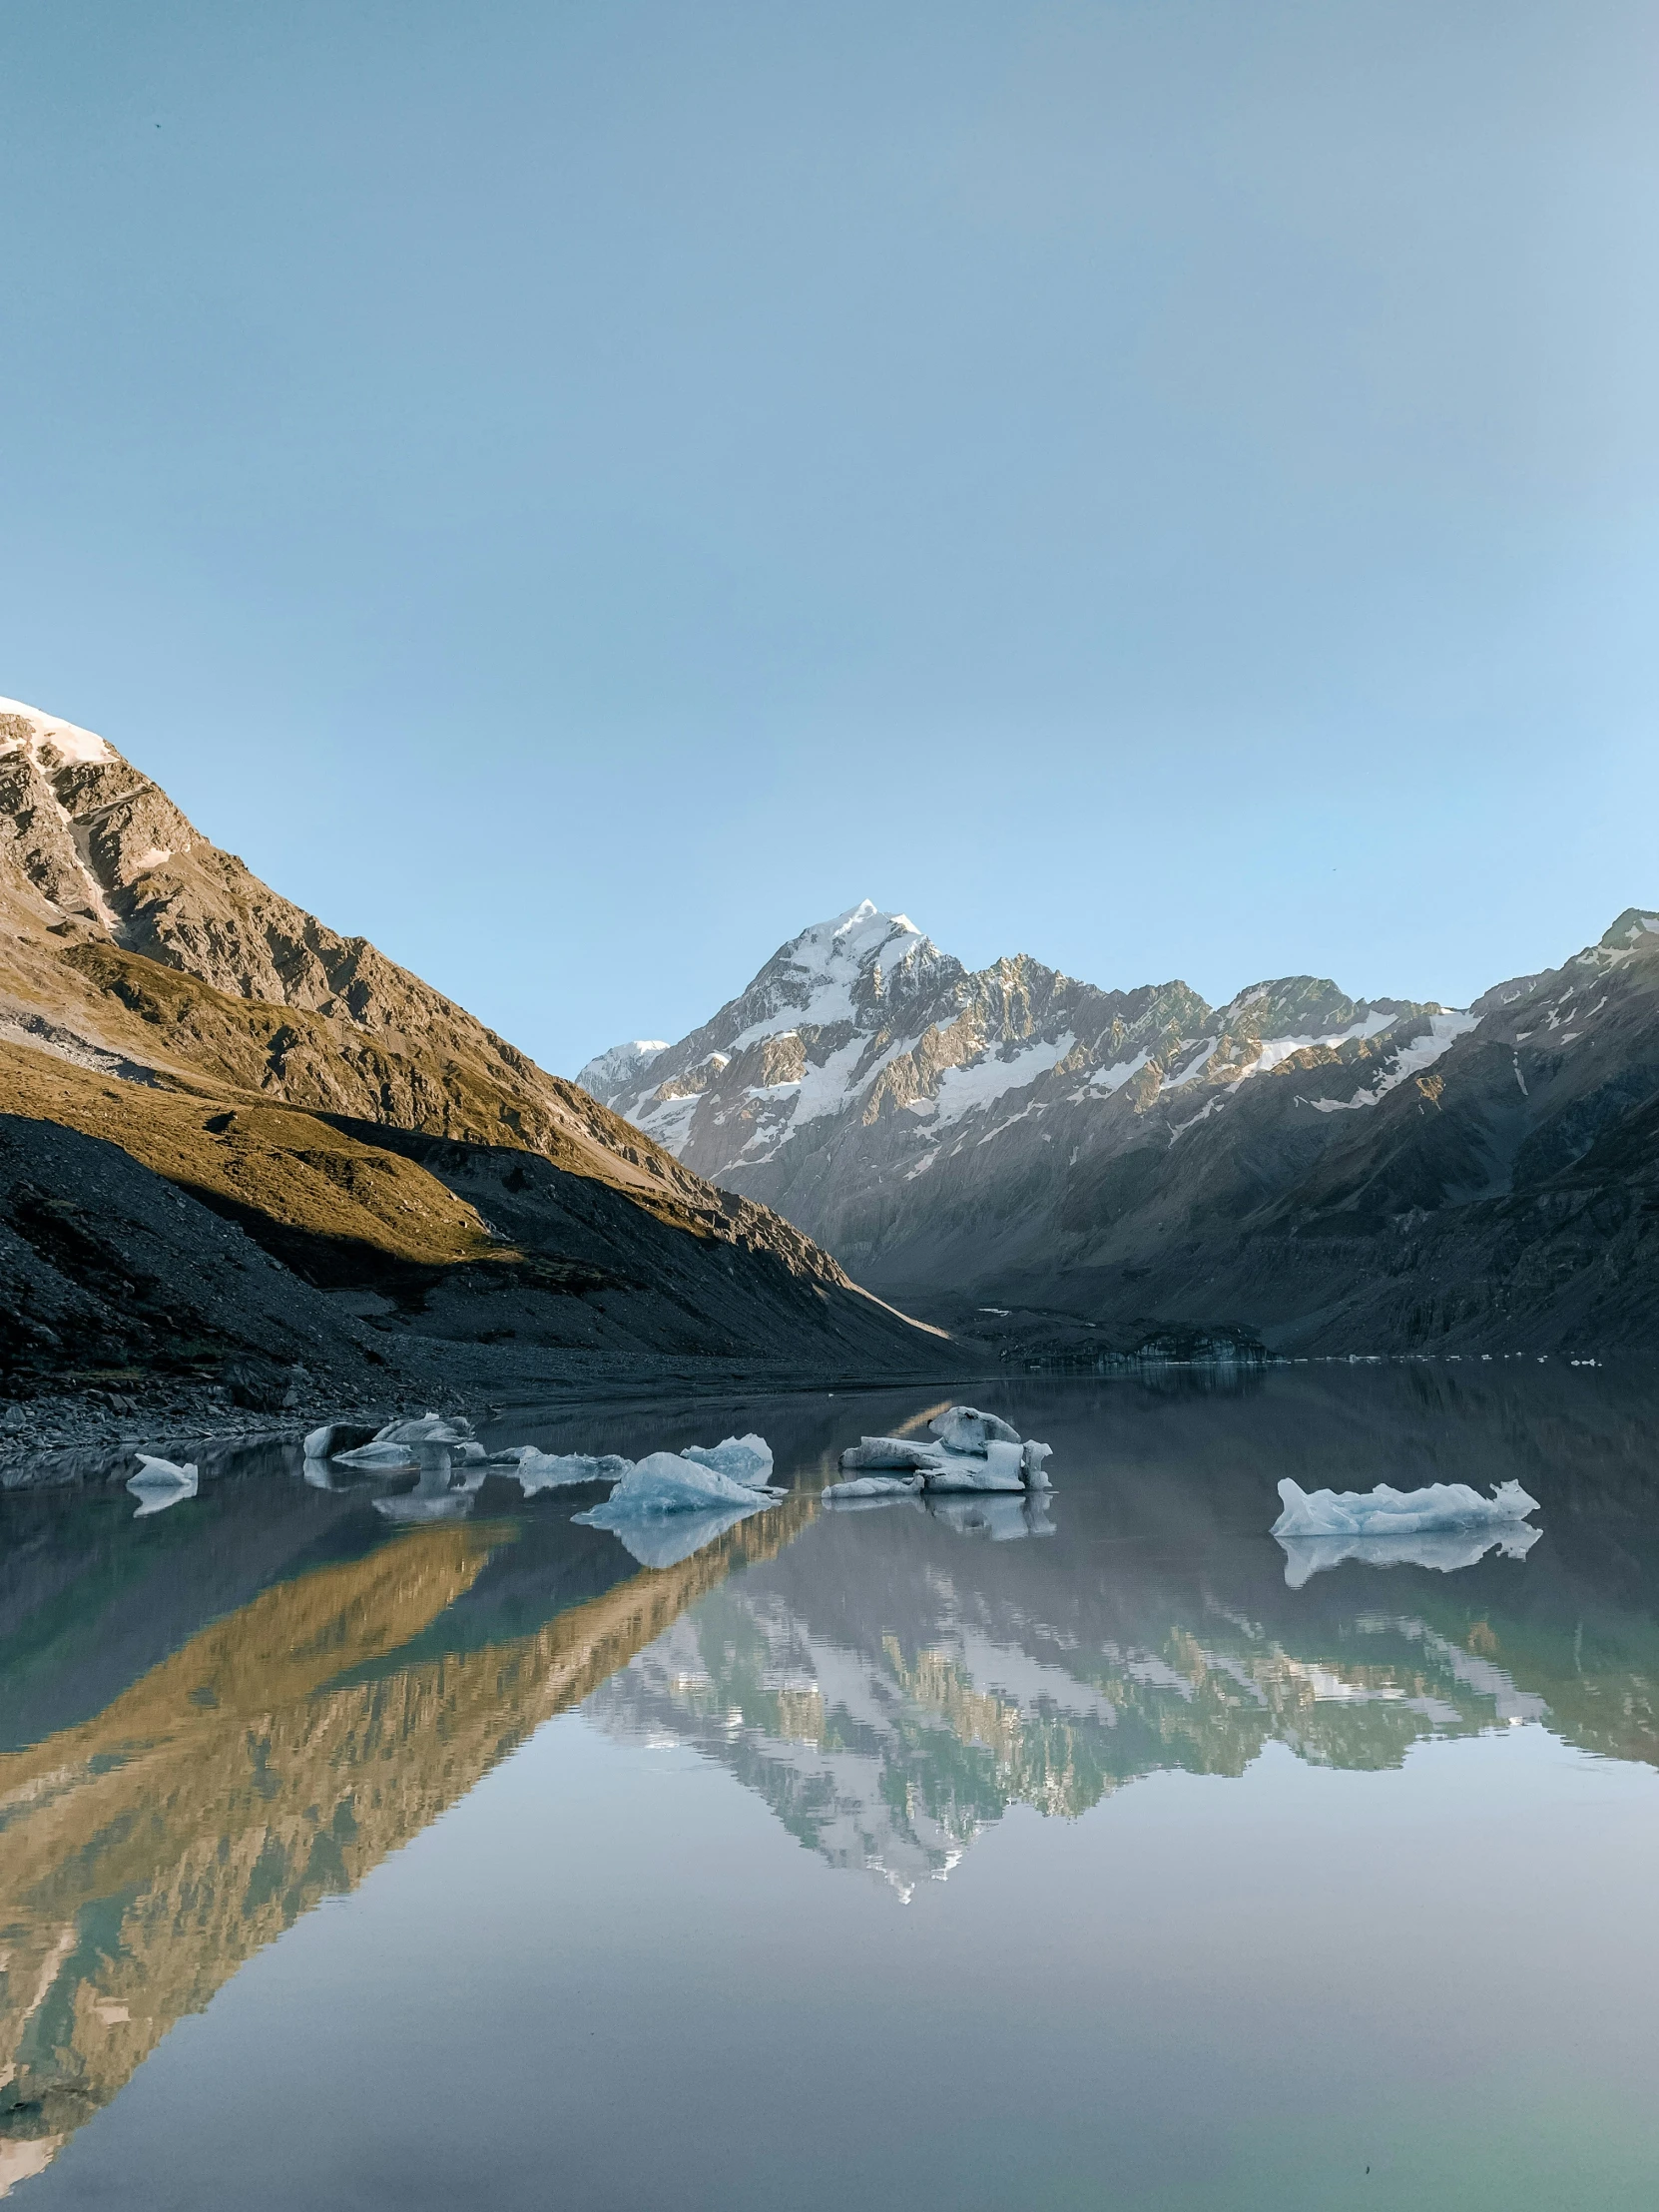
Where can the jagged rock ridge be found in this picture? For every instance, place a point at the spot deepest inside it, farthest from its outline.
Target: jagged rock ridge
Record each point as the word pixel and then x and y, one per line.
pixel 1136 1162
pixel 142 967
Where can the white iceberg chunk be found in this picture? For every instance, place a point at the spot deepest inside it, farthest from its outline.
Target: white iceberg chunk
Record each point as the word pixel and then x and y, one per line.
pixel 389 1458
pixel 1443 1549
pixel 746 1460
pixel 430 1429
pixel 892 1452
pixel 668 1484
pixel 999 1467
pixel 874 1485
pixel 1387 1513
pixel 965 1428
pixel 1034 1460
pixel 551 1471
pixel 160 1484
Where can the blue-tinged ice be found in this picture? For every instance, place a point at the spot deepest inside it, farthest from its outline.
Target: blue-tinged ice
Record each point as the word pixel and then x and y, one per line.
pixel 746 1460
pixel 158 1484
pixel 1387 1513
pixel 551 1471
pixel 665 1482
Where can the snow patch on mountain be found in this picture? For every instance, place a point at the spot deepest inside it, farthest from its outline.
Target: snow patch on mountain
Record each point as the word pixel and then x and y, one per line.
pixel 623 1063
pixel 963 1090
pixel 71 744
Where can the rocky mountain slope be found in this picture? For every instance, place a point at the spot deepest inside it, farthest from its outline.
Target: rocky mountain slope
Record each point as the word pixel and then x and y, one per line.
pixel 428 1201
pixel 1119 1167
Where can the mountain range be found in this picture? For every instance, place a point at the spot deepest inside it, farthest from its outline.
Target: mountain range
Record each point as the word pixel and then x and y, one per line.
pixel 236 1144
pixel 1075 1173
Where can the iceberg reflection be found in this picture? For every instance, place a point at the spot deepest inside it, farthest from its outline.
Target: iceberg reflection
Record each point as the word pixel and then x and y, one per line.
pixel 1443 1549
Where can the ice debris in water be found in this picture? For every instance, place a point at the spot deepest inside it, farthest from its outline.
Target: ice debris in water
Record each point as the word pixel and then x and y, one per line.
pixel 974 1451
pixel 549 1471
pixel 667 1482
pixel 1387 1513
pixel 1443 1549
pixel 158 1484
pixel 875 1486
pixel 746 1460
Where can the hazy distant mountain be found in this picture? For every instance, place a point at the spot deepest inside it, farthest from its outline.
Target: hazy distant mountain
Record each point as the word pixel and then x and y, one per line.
pixel 164 1014
pixel 1329 1172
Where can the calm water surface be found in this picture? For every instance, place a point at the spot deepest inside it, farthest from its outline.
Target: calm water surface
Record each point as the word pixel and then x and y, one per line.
pixel 890 1858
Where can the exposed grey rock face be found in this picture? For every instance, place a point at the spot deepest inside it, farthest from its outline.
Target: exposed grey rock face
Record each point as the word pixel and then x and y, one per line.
pixel 1296 1163
pixel 929 1122
pixel 131 949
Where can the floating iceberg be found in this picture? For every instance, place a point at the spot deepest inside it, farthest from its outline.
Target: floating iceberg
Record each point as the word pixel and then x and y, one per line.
pixel 892 1452
pixel 388 1456
pixel 668 1484
pixel 746 1459
pixel 1000 1466
pixel 1387 1512
pixel 974 1451
pixel 548 1470
pixel 158 1484
pixel 874 1485
pixel 429 1428
pixel 337 1436
pixel 965 1428
pixel 1443 1549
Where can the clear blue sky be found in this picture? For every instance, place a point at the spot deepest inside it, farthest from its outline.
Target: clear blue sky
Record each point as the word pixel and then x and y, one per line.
pixel 578 492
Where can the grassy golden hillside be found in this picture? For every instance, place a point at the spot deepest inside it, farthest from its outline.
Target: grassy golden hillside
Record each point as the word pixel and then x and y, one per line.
pixel 239 1150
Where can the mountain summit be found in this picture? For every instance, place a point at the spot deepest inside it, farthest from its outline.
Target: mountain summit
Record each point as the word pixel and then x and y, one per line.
pixel 1140 1166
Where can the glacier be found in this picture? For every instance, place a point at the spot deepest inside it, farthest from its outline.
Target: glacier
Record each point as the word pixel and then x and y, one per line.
pixel 1389 1512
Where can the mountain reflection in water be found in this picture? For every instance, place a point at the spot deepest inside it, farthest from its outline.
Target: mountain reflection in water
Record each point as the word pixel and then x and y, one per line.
pixel 212 1722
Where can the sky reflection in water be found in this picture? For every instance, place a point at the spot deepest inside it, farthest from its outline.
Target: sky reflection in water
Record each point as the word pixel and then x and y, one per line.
pixel 1151 1862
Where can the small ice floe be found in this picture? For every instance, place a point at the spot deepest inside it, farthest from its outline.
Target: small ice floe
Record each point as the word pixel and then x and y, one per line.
pixel 972 1452
pixel 550 1471
pixel 999 1466
pixel 158 1484
pixel 1443 1549
pixel 874 1485
pixel 336 1435
pixel 667 1482
pixel 1387 1513
pixel 746 1459
pixel 399 1442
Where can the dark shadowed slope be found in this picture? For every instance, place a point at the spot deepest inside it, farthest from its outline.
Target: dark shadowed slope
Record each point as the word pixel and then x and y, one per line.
pixel 348 1123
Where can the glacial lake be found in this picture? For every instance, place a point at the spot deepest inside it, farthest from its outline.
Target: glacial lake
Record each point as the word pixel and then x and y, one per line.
pixel 961 1858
